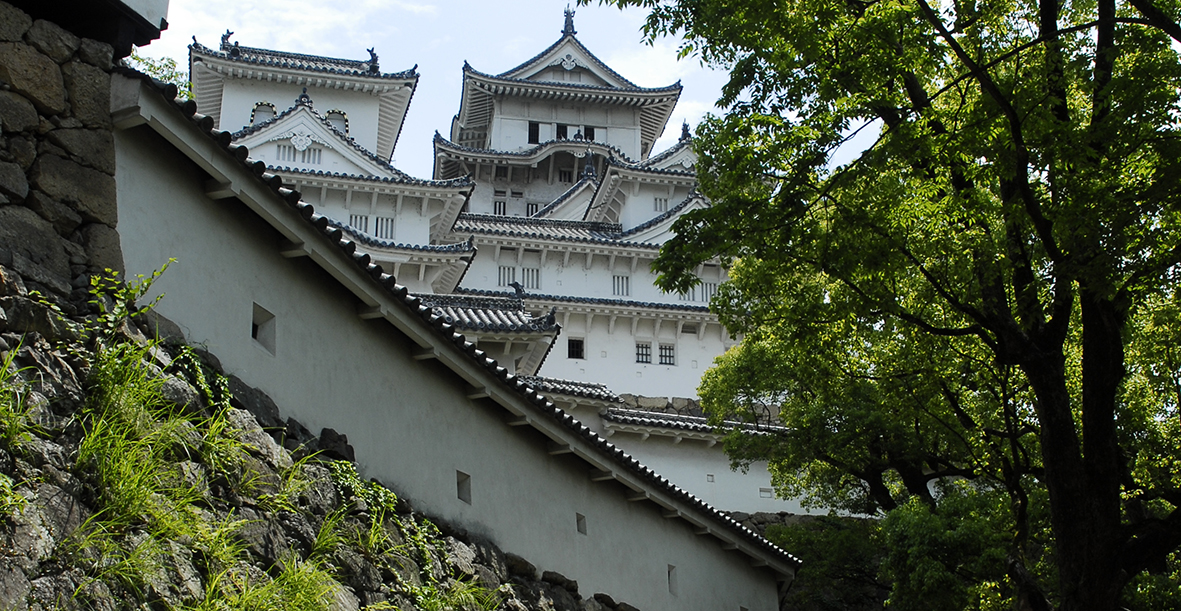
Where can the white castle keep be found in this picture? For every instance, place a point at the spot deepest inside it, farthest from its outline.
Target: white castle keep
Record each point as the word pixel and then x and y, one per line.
pixel 535 236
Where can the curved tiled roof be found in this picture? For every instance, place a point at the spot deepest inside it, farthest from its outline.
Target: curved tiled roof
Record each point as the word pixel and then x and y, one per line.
pixel 571 388
pixel 593 300
pixel 569 33
pixel 660 218
pixel 668 152
pixel 696 424
pixel 565 196
pixel 446 332
pixel 300 61
pixel 643 167
pixel 508 80
pixel 535 150
pixel 488 314
pixel 401 179
pixel 368 240
pixel 594 232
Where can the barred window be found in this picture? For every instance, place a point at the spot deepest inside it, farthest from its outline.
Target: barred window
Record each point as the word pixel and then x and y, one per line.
pixel 566 175
pixel 534 132
pixel 661 204
pixel 668 354
pixel 575 348
pixel 621 286
pixel 502 172
pixel 384 227
pixel 531 277
pixel 311 155
pixel 531 208
pixel 689 295
pixel 360 222
pixel 498 207
pixel 707 290
pixel 506 276
pixel 643 352
pixel 285 152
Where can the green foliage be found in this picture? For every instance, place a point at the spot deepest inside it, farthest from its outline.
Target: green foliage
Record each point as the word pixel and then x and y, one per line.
pixel 116 300
pixel 459 595
pixel 163 69
pixel 14 413
pixel 300 586
pixel 349 485
pixel 842 558
pixel 986 293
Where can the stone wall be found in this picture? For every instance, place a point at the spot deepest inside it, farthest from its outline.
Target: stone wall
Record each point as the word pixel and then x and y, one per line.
pixel 58 212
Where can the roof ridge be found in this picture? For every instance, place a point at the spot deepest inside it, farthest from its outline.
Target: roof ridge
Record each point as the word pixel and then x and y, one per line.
pixel 280 59
pixel 535 149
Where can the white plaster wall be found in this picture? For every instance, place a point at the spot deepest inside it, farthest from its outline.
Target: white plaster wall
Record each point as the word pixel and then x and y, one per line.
pixel 239 97
pixel 408 420
pixel 618 126
pixel 641 203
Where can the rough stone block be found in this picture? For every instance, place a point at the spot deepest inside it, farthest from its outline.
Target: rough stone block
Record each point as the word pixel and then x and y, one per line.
pixel 11 283
pixel 35 76
pixel 652 403
pixel 605 600
pixel 64 219
pixel 97 54
pixel 90 191
pixel 13 182
pixel 14 588
pixel 520 567
pixel 50 39
pixel 17 114
pixel 93 147
pixel 262 407
pixel 23 152
pixel 155 325
pixel 34 247
pixel 103 247
pixel 90 93
pixel 13 22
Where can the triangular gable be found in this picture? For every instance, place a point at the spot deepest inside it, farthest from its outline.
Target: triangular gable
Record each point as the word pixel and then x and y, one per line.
pixel 679 157
pixel 288 139
pixel 569 55
pixel 659 229
pixel 571 205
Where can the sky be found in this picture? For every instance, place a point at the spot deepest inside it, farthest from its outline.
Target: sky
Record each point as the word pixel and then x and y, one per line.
pixel 439 35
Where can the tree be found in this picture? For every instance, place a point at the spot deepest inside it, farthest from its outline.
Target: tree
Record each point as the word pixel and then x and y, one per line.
pixel 1018 213
pixel 162 69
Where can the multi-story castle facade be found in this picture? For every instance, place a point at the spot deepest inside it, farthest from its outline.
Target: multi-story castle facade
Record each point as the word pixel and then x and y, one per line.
pixel 535 235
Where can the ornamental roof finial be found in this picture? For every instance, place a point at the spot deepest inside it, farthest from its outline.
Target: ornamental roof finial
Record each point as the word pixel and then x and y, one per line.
pixel 589 170
pixel 225 39
pixel 569 30
pixel 685 134
pixel 304 98
pixel 373 67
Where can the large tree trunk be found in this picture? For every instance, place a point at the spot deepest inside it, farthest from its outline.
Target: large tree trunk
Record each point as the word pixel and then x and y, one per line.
pixel 1082 475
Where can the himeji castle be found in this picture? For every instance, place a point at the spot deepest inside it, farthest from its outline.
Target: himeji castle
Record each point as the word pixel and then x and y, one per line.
pixel 535 235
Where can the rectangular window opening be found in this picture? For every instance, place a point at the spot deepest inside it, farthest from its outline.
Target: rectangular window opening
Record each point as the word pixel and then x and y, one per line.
pixel 689 329
pixel 668 354
pixel 463 487
pixel 672 580
pixel 580 523
pixel 661 204
pixel 562 131
pixel 621 286
pixel 707 290
pixel 534 132
pixel 766 493
pixel 689 295
pixel 643 352
pixel 499 208
pixel 531 277
pixel 502 172
pixel 360 222
pixel 506 275
pixel 384 227
pixel 588 133
pixel 531 208
pixel 575 348
pixel 262 328
pixel 709 477
pixel 566 175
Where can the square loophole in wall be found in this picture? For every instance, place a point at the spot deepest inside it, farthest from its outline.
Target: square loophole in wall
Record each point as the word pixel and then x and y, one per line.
pixel 672 579
pixel 262 328
pixel 463 487
pixel 766 493
pixel 580 523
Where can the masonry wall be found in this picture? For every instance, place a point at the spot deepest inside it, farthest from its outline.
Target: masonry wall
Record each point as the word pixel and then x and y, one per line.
pixel 409 420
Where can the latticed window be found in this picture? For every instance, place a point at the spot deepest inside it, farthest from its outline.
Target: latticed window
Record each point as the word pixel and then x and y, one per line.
pixel 621 286
pixel 689 295
pixel 531 277
pixel 506 275
pixel 384 227
pixel 311 155
pixel 575 348
pixel 661 204
pixel 531 208
pixel 668 354
pixel 285 152
pixel 499 208
pixel 707 290
pixel 566 175
pixel 360 222
pixel 643 352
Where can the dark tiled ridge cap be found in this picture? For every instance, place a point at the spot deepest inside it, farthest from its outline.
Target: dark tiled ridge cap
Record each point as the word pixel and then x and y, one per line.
pixel 402 179
pixel 656 220
pixel 698 424
pixel 306 101
pixel 468 69
pixel 591 300
pixel 666 153
pixel 642 167
pixel 446 332
pixel 519 227
pixel 487 314
pixel 571 388
pixel 616 151
pixel 581 46
pixel 283 59
pixel 368 240
pixel 540 214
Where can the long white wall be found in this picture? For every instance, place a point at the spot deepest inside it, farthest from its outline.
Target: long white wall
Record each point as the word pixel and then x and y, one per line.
pixel 409 421
pixel 239 98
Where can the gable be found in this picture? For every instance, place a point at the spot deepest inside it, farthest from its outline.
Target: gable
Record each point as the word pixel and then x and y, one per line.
pixel 571 205
pixel 567 61
pixel 660 229
pixel 302 140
